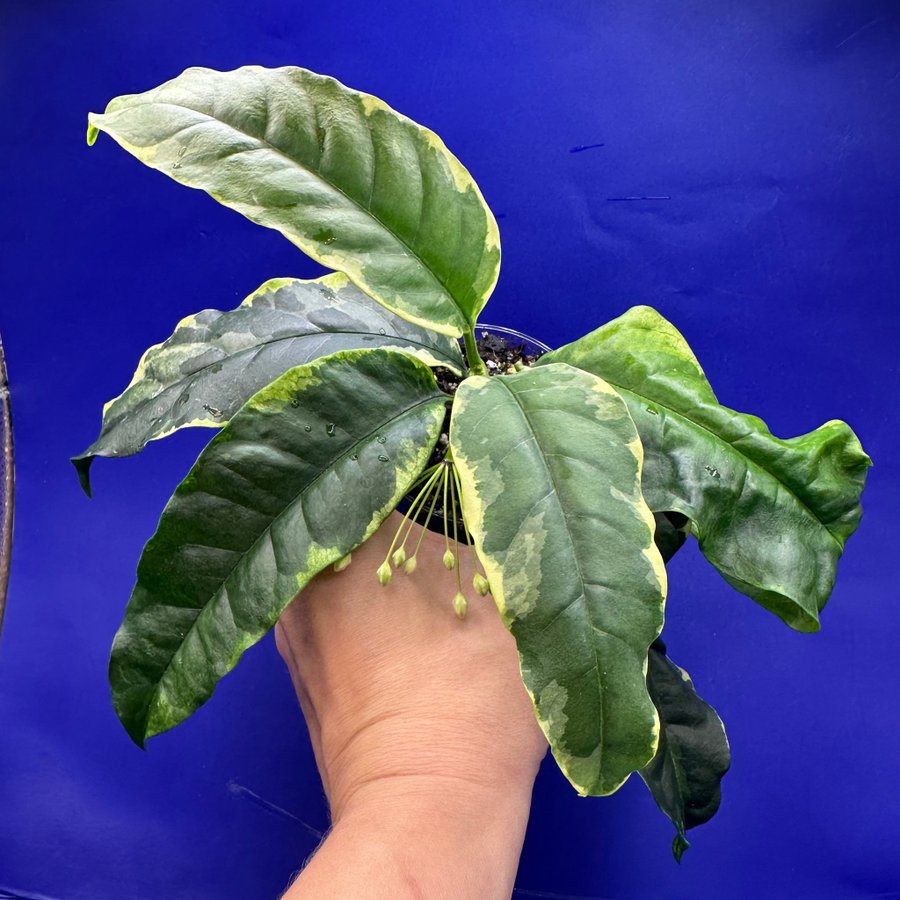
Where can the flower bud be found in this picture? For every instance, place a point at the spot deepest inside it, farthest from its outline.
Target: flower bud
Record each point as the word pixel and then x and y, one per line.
pixel 460 605
pixel 449 559
pixel 410 565
pixel 399 557
pixel 480 583
pixel 342 563
pixel 384 573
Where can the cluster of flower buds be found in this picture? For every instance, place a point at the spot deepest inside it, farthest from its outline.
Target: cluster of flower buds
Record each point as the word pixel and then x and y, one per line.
pixel 441 480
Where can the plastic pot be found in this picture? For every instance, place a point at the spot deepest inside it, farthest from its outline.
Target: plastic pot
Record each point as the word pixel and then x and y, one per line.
pixel 531 347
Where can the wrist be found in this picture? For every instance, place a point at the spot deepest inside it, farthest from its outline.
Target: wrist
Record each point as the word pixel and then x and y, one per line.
pixel 443 836
pixel 420 758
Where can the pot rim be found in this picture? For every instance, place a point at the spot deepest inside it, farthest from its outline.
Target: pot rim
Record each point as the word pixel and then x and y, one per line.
pixel 520 335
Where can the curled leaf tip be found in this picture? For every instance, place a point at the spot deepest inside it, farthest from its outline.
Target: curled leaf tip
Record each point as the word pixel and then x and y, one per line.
pixel 343 562
pixel 679 845
pixel 384 573
pixel 83 468
pixel 92 132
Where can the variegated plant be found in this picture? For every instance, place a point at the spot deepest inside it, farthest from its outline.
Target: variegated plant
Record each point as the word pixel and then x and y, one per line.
pixel 577 476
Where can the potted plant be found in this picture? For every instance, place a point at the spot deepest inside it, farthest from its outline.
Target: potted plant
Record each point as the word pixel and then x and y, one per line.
pixel 576 474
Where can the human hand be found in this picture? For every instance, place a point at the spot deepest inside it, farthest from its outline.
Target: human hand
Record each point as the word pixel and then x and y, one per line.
pixel 418 719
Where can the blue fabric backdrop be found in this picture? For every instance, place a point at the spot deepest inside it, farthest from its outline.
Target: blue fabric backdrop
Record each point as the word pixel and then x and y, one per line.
pixel 767 131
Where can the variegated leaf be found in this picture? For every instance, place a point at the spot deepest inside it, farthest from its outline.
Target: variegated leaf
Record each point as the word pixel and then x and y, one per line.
pixel 771 515
pixel 550 466
pixel 215 361
pixel 354 184
pixel 304 473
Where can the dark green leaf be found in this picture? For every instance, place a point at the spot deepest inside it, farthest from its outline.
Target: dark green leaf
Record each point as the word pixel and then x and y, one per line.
pixel 343 176
pixel 215 361
pixel 671 533
pixel 550 466
pixel 771 515
pixel 304 473
pixel 693 756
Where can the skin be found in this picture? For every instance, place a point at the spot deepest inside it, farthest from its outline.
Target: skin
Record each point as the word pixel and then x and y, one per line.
pixel 424 735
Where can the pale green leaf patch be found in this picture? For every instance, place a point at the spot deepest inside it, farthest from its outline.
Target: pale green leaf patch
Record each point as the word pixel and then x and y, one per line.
pixel 550 469
pixel 354 184
pixel 304 473
pixel 215 361
pixel 771 515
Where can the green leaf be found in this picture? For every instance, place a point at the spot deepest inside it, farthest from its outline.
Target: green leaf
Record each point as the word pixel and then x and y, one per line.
pixel 671 533
pixel 550 466
pixel 215 361
pixel 771 515
pixel 304 473
pixel 685 775
pixel 339 173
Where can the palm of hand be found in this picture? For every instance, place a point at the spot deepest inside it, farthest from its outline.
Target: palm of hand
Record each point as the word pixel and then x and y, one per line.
pixel 397 692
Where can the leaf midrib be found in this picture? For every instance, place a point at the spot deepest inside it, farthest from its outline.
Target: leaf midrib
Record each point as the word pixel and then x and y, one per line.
pixel 750 461
pixel 581 579
pixel 154 698
pixel 276 150
pixel 259 346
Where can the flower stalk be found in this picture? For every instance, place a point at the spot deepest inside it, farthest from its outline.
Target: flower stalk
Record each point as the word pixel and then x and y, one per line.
pixel 438 483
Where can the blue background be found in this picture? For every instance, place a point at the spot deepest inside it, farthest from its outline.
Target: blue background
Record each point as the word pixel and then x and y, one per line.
pixel 771 129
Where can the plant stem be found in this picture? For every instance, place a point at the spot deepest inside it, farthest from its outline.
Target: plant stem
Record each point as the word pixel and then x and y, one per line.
pixel 476 363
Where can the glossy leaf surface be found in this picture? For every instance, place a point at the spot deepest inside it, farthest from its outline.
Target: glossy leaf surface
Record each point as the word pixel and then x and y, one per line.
pixel 685 775
pixel 215 361
pixel 303 474
pixel 354 184
pixel 771 515
pixel 550 466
